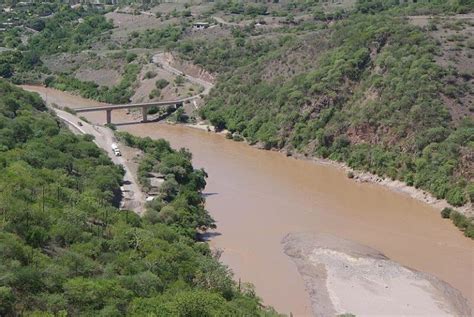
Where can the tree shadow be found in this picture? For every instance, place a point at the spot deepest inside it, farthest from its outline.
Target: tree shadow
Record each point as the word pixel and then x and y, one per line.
pixel 209 194
pixel 208 235
pixel 134 123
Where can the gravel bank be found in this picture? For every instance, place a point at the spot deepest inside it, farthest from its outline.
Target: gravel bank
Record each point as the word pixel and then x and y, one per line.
pixel 342 276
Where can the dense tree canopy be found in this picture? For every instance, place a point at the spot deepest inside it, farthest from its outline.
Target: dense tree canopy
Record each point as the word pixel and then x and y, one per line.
pixel 65 248
pixel 371 99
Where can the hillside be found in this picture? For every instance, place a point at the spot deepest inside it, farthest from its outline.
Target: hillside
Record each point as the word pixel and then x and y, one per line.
pixel 385 87
pixel 372 90
pixel 65 249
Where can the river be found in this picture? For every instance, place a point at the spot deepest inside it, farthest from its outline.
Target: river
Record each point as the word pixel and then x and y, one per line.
pixel 257 197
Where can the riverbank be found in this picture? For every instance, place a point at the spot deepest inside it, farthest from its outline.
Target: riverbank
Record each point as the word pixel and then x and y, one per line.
pixel 362 176
pixel 346 277
pixel 395 185
pixel 284 195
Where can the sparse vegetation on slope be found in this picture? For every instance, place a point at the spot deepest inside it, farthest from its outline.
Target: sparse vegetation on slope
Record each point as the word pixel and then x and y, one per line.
pixel 70 31
pixel 154 38
pixel 65 31
pixel 119 93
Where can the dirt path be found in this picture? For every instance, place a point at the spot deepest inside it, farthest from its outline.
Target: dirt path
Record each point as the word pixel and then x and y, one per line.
pixel 165 59
pixel 164 62
pixel 224 22
pixel 133 197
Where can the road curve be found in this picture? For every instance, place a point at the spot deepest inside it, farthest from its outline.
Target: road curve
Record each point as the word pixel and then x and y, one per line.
pixel 161 58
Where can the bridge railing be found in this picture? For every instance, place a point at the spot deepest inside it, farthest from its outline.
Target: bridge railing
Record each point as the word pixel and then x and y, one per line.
pixel 144 106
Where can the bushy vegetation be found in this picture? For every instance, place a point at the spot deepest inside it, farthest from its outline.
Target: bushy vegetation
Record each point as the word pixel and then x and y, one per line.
pixel 181 185
pixel 67 30
pixel 20 67
pixel 465 224
pixel 372 100
pixel 161 83
pixel 239 7
pixel 418 7
pixel 153 38
pixel 20 18
pixel 66 250
pixel 70 31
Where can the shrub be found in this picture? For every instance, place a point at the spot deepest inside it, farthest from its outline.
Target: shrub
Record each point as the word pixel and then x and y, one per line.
pixel 446 212
pixel 149 74
pixel 459 220
pixel 69 110
pixel 49 80
pixel 153 110
pixel 179 80
pixel 237 137
pixel 218 121
pixel 6 70
pixel 463 223
pixel 181 116
pixel 37 25
pixel 130 57
pixel 155 93
pixel 153 38
pixel 161 83
pixel 7 301
pixel 111 126
pixel 469 231
pixel 456 196
pixel 186 13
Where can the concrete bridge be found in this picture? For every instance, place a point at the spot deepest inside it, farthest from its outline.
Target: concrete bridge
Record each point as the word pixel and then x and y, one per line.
pixel 143 106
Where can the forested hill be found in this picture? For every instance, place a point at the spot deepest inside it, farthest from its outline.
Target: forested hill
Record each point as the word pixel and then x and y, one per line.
pixel 369 88
pixel 66 250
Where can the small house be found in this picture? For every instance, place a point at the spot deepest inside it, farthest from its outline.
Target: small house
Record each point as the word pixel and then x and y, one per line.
pixel 200 25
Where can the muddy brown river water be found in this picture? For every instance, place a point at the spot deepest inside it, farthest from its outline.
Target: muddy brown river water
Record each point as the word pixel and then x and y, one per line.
pixel 258 197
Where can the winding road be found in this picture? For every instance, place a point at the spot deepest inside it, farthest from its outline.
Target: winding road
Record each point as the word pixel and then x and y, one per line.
pixel 164 59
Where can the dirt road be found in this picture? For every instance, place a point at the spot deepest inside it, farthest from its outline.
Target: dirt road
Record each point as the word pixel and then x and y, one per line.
pixel 164 59
pixel 133 197
pixel 224 22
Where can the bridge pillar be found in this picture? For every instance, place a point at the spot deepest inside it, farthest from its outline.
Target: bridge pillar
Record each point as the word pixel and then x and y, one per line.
pixel 144 114
pixel 109 116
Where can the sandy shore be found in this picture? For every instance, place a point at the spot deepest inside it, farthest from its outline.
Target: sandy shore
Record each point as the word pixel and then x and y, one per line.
pixel 342 276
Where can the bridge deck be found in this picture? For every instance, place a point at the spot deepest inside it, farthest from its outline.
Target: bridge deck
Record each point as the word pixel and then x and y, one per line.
pixel 131 105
